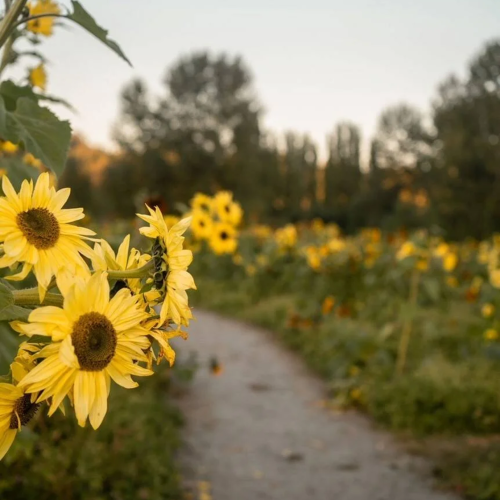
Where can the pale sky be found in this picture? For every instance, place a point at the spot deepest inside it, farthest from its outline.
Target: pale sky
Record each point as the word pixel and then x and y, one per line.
pixel 314 62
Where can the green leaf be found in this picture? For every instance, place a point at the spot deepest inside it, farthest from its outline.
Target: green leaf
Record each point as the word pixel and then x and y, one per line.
pixel 13 312
pixel 9 344
pixel 12 92
pixel 6 297
pixel 39 131
pixel 85 20
pixel 17 170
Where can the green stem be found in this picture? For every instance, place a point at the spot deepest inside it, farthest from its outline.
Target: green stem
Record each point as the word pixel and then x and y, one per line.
pixel 407 327
pixel 9 21
pixel 31 297
pixel 38 16
pixel 6 53
pixel 131 273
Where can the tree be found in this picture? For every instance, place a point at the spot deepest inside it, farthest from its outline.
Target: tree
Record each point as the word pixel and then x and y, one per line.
pixel 207 119
pixel 467 120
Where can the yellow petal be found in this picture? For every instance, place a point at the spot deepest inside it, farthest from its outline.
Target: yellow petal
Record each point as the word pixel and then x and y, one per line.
pixel 6 441
pixel 100 406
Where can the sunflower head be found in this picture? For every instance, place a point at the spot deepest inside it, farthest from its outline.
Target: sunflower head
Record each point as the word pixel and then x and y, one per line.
pixel 16 410
pixel 95 338
pixel 202 202
pixel 94 341
pixel 171 260
pixel 226 209
pixel 223 239
pixel 201 225
pixel 42 26
pixel 36 232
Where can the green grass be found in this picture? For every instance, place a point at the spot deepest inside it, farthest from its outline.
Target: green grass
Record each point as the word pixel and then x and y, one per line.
pixel 130 457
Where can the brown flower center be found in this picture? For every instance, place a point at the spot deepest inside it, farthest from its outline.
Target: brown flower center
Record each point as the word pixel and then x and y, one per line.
pixel 40 227
pixel 24 409
pixel 94 340
pixel 224 236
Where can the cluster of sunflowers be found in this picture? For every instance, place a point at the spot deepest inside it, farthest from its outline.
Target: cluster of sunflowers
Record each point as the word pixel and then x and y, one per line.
pixel 94 317
pixel 216 220
pixel 361 263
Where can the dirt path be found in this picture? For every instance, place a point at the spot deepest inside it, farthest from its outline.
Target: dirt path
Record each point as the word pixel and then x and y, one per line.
pixel 259 431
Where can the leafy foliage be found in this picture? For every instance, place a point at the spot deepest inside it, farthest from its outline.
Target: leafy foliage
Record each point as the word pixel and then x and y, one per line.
pixel 38 130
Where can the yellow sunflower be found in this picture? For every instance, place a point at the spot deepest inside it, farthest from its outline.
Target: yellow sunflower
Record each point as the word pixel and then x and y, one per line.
pixel 95 339
pixel 42 26
pixel 38 77
pixel 35 231
pixel 201 201
pixel 223 238
pixel 201 224
pixel 226 209
pixel 16 409
pixel 171 276
pixel 104 258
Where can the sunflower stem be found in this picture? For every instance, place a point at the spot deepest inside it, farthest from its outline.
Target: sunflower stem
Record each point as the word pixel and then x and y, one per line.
pixel 7 24
pixel 140 272
pixel 38 16
pixel 31 297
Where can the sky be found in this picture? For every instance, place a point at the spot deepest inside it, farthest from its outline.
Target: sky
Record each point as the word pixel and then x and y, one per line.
pixel 314 62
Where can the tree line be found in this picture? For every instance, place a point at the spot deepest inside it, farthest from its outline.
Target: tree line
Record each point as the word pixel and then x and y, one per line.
pixel 439 170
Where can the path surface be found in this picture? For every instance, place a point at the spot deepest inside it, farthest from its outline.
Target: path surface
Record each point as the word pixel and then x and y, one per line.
pixel 259 431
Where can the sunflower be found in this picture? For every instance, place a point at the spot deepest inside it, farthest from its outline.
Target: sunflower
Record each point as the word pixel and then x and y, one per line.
pixel 38 77
pixel 95 339
pixel 35 230
pixel 125 258
pixel 201 201
pixel 171 261
pixel 201 225
pixel 42 26
pixel 226 209
pixel 16 409
pixel 223 238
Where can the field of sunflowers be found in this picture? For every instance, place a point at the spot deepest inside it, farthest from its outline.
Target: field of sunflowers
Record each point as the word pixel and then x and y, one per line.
pixel 404 327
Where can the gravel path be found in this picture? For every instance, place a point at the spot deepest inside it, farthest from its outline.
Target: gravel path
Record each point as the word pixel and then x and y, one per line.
pixel 259 430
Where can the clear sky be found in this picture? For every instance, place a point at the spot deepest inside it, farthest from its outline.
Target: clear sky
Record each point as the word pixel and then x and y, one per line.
pixel 314 62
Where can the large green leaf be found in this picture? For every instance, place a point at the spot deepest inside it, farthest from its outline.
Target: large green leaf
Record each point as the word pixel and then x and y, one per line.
pixel 12 92
pixel 39 131
pixel 85 20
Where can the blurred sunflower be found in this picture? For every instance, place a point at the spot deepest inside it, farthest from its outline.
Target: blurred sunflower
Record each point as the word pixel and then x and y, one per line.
pixel 35 231
pixel 202 202
pixel 201 224
pixel 226 209
pixel 42 26
pixel 94 339
pixel 38 77
pixel 223 238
